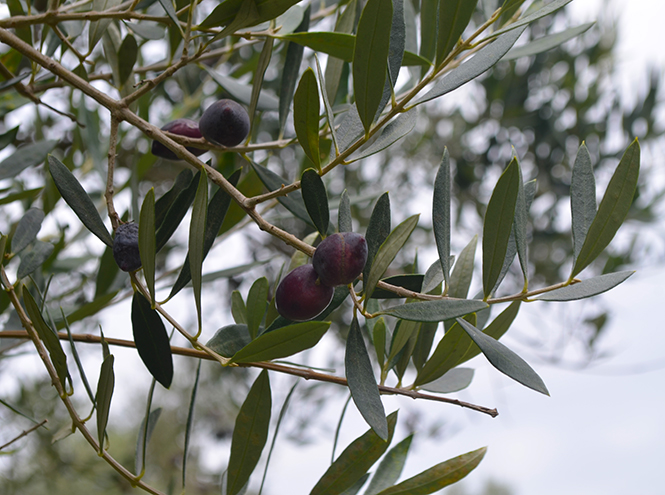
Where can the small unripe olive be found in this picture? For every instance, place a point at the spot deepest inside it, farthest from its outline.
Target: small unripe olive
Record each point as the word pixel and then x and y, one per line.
pixel 225 122
pixel 182 127
pixel 301 296
pixel 126 247
pixel 340 258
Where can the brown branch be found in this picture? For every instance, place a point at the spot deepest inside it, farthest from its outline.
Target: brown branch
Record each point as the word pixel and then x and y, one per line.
pixel 305 373
pixel 23 434
pixel 113 143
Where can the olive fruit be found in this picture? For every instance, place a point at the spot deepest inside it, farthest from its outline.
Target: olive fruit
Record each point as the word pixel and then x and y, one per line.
pixel 340 258
pixel 182 127
pixel 225 122
pixel 126 247
pixel 300 296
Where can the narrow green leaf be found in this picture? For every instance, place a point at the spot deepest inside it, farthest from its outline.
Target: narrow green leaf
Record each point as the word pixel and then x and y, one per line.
pixel 257 302
pixel 404 332
pixel 250 434
pixel 176 212
pixel 197 232
pixel 410 282
pixel 104 395
pixel 441 209
pixel 228 10
pixel 293 202
pixel 378 230
pixel 78 200
pixel 485 58
pixel 127 55
pixel 77 359
pixel 330 116
pixel 88 309
pixel 356 487
pixel 362 383
pixel 355 461
pixel 24 157
pixel 163 204
pixel 27 229
pixel 49 337
pixel 438 310
pixel 460 278
pixel 217 209
pixel 546 43
pixel 170 11
pixel 144 437
pixel 439 476
pixel 395 54
pixel 106 273
pixel 423 346
pixel 508 10
pixel 306 116
pixel 393 132
pixel 349 130
pixel 190 422
pixel 282 342
pixel 259 74
pixel 547 9
pixel 152 341
pixel 379 338
pixel 336 44
pixel 335 65
pixel 498 224
pixel 229 339
pixel 291 69
pixel 8 137
pixel 453 18
pixel 452 381
pixel 147 30
pixel 147 241
pixel 505 360
pixel 21 195
pixel 429 13
pixel 586 288
pixel 316 200
pixel 613 208
pixel 387 252
pixel 33 258
pixel 520 228
pixel 238 308
pixel 344 219
pixel 370 58
pixel 390 468
pixel 97 28
pixel 582 198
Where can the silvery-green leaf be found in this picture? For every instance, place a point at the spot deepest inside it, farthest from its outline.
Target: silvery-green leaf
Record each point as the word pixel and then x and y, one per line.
pixel 453 381
pixel 27 229
pixel 582 198
pixel 547 42
pixel 586 288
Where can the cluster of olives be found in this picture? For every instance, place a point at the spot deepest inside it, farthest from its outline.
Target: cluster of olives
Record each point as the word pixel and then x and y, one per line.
pixel 225 123
pixel 307 290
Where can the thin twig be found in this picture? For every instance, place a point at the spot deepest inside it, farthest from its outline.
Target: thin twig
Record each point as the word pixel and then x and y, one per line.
pixel 108 194
pixel 23 434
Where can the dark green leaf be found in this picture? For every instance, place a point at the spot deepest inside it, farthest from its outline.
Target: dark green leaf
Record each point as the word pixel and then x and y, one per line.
pixel 349 130
pixel 528 19
pixel 11 82
pixel 306 116
pixel 144 437
pixel 97 28
pixel 152 341
pixel 378 230
pixel 229 339
pixel 162 205
pixel 259 74
pixel 453 18
pixel 441 210
pixel 170 11
pixel 424 343
pixel 452 381
pixel 395 53
pixel 19 196
pixel 613 208
pixel 8 137
pixel 379 338
pixel 176 212
pixel 410 282
pixel 106 273
pixel 586 288
pixel 460 278
pixel 429 13
pixel 393 132
pixel 316 200
pixel 78 200
pixel 403 333
pixel 217 209
pixel 197 231
pixel 370 58
pixel 520 228
pixel 49 337
pixel 439 310
pixel 330 116
pixel 293 202
pixel 355 488
pixel 505 360
pixel 390 468
pixel 190 422
pixel 127 57
pixel 27 229
pixel 291 70
pixel 439 476
pixel 257 302
pixel 24 157
pixel 498 225
pixel 228 10
pixel 355 461
pixel 508 10
pixel 238 308
pixel 547 42
pixel 250 434
pixel 88 309
pixel 33 258
pixel 334 66
pixel 362 383
pixel 344 219
pixel 104 395
pixel 338 45
pixel 485 58
pixel 147 242
pixel 282 342
pixel 582 198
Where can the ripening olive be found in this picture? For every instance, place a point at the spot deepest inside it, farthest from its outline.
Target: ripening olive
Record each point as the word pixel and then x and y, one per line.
pixel 301 296
pixel 182 127
pixel 340 258
pixel 225 122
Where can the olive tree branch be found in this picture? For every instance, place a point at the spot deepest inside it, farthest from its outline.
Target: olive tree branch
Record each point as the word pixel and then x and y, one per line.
pixel 306 373
pixel 113 143
pixel 23 434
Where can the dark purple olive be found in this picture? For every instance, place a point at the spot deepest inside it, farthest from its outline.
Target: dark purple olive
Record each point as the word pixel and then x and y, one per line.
pixel 126 247
pixel 301 296
pixel 340 258
pixel 182 127
pixel 225 122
